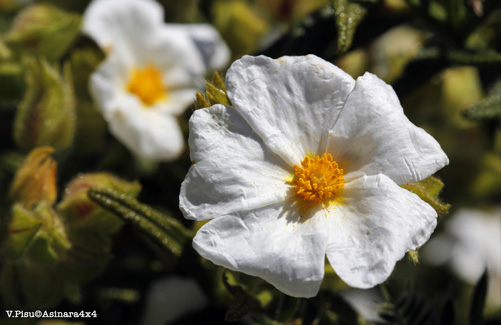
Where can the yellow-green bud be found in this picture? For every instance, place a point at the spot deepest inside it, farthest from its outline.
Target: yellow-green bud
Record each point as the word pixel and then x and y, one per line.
pixel 80 212
pixel 89 226
pixel 35 244
pixel 35 181
pixel 46 115
pixel 44 30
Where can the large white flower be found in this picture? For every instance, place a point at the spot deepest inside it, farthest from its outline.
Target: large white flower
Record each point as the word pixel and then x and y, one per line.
pixel 151 72
pixel 306 164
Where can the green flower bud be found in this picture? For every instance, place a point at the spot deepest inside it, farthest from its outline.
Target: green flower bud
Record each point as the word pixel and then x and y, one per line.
pixel 44 31
pixel 35 181
pixel 36 241
pixel 46 115
pixel 89 226
pixel 79 211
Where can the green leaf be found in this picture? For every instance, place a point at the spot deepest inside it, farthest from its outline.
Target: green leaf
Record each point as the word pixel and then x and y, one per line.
pixel 348 16
pixel 483 59
pixel 428 190
pixel 164 230
pixel 478 300
pixel 487 108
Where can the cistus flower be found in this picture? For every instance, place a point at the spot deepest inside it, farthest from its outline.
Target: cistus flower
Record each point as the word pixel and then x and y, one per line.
pixel 307 164
pixel 151 72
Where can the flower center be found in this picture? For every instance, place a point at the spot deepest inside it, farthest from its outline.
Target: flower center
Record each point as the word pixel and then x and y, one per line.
pixel 146 83
pixel 318 179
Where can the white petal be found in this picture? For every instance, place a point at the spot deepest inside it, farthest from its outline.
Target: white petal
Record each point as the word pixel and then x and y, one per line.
pixel 178 100
pixel 108 82
pixel 232 169
pixel 372 135
pixel 173 53
pixel 290 256
pixel 375 225
pixel 146 133
pixel 121 24
pixel 214 50
pixel 291 102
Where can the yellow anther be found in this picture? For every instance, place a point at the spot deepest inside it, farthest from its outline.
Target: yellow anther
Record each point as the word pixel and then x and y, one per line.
pixel 318 179
pixel 146 83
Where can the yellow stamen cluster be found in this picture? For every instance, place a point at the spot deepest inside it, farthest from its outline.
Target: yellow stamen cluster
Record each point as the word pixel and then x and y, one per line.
pixel 318 179
pixel 146 83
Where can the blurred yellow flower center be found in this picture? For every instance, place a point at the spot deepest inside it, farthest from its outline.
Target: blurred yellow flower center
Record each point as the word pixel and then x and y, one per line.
pixel 146 83
pixel 318 179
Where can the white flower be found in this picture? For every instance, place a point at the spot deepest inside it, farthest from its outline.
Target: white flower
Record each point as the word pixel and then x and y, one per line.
pixel 470 244
pixel 151 72
pixel 307 164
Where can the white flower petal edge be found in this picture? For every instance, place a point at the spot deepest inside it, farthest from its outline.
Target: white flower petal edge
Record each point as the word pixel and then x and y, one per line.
pixel 214 50
pixel 377 223
pixel 291 103
pixel 114 23
pixel 232 169
pixel 372 136
pixel 291 259
pixel 145 133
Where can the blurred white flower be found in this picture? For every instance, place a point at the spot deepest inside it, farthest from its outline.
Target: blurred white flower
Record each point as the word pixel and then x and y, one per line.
pixel 151 72
pixel 307 164
pixel 171 298
pixel 470 244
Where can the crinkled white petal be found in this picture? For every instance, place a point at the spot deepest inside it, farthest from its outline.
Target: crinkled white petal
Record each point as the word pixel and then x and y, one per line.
pixel 121 24
pixel 290 256
pixel 291 102
pixel 373 228
pixel 372 135
pixel 232 169
pixel 214 50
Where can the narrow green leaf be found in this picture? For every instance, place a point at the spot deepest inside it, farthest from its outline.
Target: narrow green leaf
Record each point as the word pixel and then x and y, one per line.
pixel 489 58
pixel 428 190
pixel 167 223
pixel 161 229
pixel 478 300
pixel 487 108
